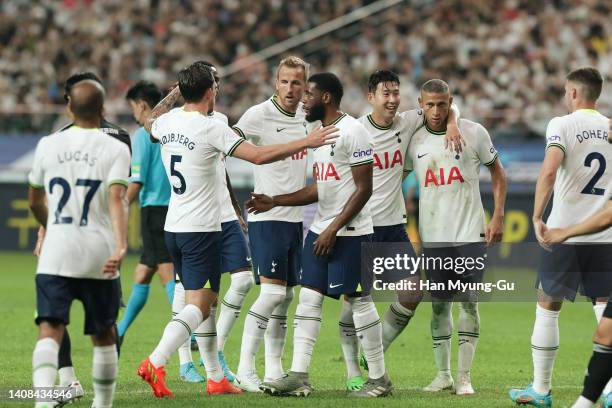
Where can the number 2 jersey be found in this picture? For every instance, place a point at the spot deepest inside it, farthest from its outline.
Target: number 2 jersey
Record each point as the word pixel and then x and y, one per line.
pixel 584 180
pixel 190 146
pixel 76 167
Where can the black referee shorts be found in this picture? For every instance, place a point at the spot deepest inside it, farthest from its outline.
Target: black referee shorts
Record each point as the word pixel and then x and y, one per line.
pixel 154 251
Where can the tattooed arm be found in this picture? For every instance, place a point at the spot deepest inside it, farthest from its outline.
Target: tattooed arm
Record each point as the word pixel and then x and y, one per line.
pixel 162 107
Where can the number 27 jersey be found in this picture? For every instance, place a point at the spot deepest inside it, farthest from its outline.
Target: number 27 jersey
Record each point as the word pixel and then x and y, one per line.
pixel 76 167
pixel 584 179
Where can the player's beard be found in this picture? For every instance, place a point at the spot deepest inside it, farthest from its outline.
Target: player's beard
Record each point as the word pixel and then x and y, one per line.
pixel 316 112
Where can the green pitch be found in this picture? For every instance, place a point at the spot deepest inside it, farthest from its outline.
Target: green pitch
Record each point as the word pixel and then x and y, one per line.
pixel 503 357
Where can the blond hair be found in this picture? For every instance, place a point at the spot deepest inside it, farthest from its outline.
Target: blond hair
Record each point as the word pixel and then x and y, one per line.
pixel 294 62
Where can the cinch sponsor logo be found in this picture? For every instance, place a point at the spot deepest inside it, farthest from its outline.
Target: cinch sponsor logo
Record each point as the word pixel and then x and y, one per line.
pixel 325 171
pixel 299 155
pixel 554 138
pixel 385 161
pixel 362 153
pixel 440 180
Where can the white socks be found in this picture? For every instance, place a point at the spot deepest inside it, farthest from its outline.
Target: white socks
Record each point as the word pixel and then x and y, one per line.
pixel 307 325
pixel 582 402
pixel 176 332
pixel 241 283
pixel 348 340
pixel 66 376
pixel 44 363
pixel 599 308
pixel 369 331
pixel 178 303
pixel 206 336
pixel 469 331
pixel 394 322
pixel 256 323
pixel 544 346
pixel 275 336
pixel 104 375
pixel 441 330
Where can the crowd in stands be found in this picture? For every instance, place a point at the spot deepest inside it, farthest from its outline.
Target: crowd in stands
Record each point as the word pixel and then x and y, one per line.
pixel 505 60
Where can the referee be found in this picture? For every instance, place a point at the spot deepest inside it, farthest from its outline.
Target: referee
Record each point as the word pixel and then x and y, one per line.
pixel 149 182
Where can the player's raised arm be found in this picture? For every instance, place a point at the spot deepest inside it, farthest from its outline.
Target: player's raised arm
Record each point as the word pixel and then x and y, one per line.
pixel 162 107
pixel 453 138
pixel 267 154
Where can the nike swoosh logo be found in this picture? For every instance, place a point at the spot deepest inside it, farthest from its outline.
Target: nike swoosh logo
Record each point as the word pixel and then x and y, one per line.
pixel 331 285
pixel 279 129
pixel 248 259
pixel 421 155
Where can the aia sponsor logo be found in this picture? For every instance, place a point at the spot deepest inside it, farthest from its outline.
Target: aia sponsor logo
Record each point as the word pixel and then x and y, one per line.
pixel 325 171
pixel 388 160
pixel 441 178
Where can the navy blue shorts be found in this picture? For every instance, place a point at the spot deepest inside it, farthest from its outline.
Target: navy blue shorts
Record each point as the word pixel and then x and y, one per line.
pixel 100 298
pixel 276 248
pixel 339 273
pixel 234 248
pixel 468 263
pixel 395 233
pixel 197 258
pixel 572 268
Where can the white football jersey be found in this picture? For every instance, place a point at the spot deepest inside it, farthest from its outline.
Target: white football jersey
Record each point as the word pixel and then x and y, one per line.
pixel 332 173
pixel 390 144
pixel 227 209
pixel 76 167
pixel 265 124
pixel 190 147
pixel 584 180
pixel 450 207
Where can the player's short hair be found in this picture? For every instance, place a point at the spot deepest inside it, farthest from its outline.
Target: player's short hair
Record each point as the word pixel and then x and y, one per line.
pixel 436 86
pixel 194 81
pixel 293 62
pixel 382 76
pixel 590 80
pixel 329 82
pixel 87 105
pixel 78 77
pixel 145 91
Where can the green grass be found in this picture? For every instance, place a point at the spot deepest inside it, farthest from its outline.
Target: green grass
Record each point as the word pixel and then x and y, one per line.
pixel 503 358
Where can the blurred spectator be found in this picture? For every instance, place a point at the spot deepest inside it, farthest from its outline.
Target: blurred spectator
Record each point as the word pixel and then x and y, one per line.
pixel 505 60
